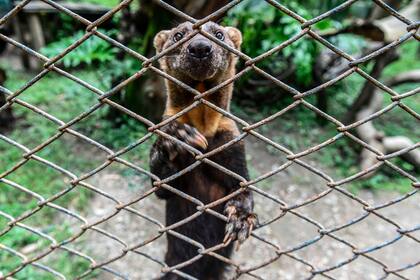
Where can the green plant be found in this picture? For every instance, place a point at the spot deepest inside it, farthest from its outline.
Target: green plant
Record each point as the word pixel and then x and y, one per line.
pixel 105 3
pixel 63 99
pixel 93 50
pixel 264 27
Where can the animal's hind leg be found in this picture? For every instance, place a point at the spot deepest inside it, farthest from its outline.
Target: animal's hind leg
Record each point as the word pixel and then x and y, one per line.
pixel 216 268
pixel 180 251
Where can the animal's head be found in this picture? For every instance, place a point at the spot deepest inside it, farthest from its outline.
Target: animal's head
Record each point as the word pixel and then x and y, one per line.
pixel 198 58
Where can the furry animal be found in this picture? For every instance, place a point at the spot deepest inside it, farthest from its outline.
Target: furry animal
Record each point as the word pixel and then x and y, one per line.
pixel 201 64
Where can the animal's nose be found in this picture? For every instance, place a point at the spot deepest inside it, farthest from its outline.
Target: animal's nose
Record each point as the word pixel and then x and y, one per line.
pixel 200 48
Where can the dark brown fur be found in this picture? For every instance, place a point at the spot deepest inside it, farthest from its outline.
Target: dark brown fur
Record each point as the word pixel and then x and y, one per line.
pixel 205 129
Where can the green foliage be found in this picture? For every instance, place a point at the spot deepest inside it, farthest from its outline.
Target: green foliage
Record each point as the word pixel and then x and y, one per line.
pixel 120 69
pixel 93 50
pixel 264 27
pixel 19 237
pixel 105 3
pixel 47 95
pixel 63 99
pixel 408 60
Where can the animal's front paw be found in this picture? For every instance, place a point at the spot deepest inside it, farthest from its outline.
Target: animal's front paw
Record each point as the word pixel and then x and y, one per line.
pixel 185 133
pixel 241 221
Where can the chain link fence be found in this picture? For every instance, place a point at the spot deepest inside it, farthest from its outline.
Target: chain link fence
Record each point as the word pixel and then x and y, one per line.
pixel 105 99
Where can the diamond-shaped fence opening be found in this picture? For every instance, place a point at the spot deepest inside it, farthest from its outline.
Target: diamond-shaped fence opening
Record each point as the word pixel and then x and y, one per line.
pixel 123 236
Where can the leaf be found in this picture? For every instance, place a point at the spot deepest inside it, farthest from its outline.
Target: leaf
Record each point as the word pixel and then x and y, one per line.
pixel 93 49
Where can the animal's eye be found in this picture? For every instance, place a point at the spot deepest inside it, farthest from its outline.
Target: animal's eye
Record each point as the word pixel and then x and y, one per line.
pixel 178 36
pixel 219 35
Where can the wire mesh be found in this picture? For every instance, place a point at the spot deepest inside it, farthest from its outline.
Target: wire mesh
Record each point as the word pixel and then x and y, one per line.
pixel 104 99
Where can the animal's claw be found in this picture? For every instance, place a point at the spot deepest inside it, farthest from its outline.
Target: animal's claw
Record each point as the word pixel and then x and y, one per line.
pixel 239 225
pixel 185 133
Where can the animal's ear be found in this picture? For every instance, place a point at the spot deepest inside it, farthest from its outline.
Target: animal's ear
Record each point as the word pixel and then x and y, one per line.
pixel 160 40
pixel 235 36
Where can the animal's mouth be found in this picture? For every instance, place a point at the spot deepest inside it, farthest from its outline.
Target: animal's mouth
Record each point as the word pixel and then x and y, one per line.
pixel 200 62
pixel 200 59
pixel 199 68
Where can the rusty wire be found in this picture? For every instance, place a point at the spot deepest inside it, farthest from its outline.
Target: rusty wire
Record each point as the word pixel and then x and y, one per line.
pixel 246 129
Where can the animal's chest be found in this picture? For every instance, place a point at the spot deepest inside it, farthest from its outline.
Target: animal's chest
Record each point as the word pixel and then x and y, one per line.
pixel 205 119
pixel 203 185
pixel 197 117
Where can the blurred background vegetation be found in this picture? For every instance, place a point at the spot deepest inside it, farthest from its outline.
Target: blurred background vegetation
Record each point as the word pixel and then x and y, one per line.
pixel 305 64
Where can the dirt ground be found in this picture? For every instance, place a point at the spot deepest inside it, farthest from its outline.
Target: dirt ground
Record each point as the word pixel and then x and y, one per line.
pixel 292 185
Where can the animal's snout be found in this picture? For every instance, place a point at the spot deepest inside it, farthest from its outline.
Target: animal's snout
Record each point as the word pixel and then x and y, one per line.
pixel 200 48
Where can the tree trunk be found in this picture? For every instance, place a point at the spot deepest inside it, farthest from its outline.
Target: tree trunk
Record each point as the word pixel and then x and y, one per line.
pixel 385 144
pixel 384 29
pixel 369 88
pixel 378 12
pixel 6 116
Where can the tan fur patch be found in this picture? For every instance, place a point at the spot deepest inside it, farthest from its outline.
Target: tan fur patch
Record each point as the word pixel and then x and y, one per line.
pixel 227 124
pixel 201 87
pixel 204 119
pixel 170 111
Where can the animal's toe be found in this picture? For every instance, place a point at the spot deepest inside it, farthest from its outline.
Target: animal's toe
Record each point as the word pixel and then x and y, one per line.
pixel 239 225
pixel 194 137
